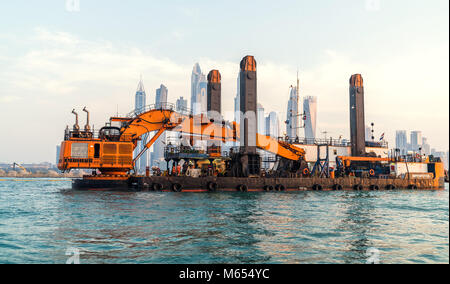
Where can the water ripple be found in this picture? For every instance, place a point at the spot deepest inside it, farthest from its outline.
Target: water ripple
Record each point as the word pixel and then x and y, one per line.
pixel 40 219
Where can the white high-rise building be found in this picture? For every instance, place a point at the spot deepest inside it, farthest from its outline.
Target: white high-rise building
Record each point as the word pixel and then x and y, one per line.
pixel 272 128
pixel 401 141
pixel 199 98
pixel 292 119
pixel 182 105
pixel 140 102
pixel 58 151
pixel 416 140
pixel 158 147
pixel 426 148
pixel 140 97
pixel 368 133
pixel 237 106
pixel 310 110
pixel 272 125
pixel 261 120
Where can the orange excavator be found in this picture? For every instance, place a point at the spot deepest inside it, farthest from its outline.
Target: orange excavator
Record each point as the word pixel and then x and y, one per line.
pixel 111 150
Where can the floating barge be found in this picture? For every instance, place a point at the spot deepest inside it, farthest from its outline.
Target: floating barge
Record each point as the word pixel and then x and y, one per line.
pixel 232 184
pixel 327 165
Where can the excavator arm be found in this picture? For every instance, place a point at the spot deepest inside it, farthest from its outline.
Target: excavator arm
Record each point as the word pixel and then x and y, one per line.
pixel 162 120
pixel 112 152
pixel 153 120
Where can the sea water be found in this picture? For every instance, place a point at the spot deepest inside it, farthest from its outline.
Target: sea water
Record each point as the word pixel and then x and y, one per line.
pixel 45 221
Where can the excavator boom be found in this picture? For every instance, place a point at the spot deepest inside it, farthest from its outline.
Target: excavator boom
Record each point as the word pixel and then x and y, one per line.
pixel 112 151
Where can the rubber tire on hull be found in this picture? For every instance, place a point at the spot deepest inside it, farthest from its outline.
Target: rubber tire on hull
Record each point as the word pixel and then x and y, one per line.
pixel 280 187
pixel 390 187
pixel 358 187
pixel 176 187
pixel 268 188
pixel 212 186
pixel 242 188
pixel 412 186
pixel 157 187
pixel 337 187
pixel 374 187
pixel 317 187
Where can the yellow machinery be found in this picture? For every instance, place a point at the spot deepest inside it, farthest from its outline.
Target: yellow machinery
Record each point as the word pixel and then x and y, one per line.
pixel 111 151
pixel 20 167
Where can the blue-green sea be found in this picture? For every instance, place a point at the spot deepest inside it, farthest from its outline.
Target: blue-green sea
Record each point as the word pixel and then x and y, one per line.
pixel 43 219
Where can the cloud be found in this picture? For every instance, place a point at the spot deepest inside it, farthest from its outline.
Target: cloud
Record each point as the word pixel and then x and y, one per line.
pixel 8 99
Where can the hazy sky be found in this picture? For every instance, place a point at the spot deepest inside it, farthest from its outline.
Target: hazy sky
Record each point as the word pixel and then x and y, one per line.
pixel 54 57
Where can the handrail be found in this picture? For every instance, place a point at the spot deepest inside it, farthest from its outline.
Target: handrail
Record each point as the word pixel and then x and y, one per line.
pixel 160 106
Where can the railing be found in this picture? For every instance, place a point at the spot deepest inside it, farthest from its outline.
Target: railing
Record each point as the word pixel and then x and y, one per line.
pixel 330 142
pixel 160 106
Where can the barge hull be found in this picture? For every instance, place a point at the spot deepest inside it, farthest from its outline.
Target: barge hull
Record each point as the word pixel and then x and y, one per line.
pixel 232 184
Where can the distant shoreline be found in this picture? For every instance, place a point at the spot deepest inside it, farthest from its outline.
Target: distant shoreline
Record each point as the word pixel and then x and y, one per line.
pixel 41 176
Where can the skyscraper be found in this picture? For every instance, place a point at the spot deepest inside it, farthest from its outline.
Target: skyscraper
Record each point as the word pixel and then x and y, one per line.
pixel 199 84
pixel 401 141
pixel 292 125
pixel 140 98
pixel 261 120
pixel 140 102
pixel 237 106
pixel 310 109
pixel 416 140
pixel 272 125
pixel 368 133
pixel 58 151
pixel 426 148
pixel 272 128
pixel 161 97
pixel 181 105
pixel 158 146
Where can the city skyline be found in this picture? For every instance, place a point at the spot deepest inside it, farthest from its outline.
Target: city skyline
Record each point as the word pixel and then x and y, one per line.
pixel 53 61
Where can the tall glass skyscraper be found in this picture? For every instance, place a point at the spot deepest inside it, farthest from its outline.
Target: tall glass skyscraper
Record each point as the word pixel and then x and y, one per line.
pixel 272 125
pixel 140 98
pixel 161 97
pixel 416 140
pixel 199 99
pixel 401 141
pixel 158 147
pixel 140 102
pixel 310 109
pixel 426 148
pixel 261 120
pixel 237 106
pixel 181 105
pixel 292 125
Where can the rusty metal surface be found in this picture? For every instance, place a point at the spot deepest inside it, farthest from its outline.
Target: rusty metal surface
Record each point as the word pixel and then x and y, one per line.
pixel 290 184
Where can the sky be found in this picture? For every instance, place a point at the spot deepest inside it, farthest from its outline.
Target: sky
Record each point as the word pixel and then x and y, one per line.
pixel 56 55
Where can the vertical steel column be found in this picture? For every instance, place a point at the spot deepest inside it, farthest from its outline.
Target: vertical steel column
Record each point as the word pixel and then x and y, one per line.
pixel 214 93
pixel 248 104
pixel 214 104
pixel 357 123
